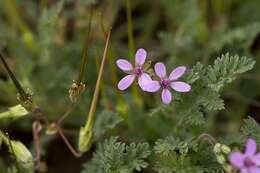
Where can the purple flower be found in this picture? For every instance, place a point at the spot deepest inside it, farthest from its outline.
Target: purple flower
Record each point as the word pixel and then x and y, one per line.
pixel 167 82
pixel 249 161
pixel 133 72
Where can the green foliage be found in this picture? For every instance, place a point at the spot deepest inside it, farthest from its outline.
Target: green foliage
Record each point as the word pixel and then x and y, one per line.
pixel 174 155
pixel 204 97
pixel 225 70
pixel 105 120
pixel 22 156
pixel 47 27
pixel 14 112
pixel 170 144
pixel 116 157
pixel 194 74
pixel 242 36
pixel 251 129
pixel 42 42
pixel 211 100
pixel 175 163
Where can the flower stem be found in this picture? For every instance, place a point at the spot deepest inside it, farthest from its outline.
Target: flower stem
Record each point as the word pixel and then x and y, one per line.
pixel 85 138
pixel 131 45
pixel 130 29
pixel 66 114
pixel 36 140
pixel 96 92
pixel 64 138
pixel 85 50
pixel 102 88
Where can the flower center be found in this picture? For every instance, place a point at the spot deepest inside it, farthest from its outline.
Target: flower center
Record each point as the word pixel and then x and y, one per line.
pixel 137 71
pixel 248 162
pixel 165 83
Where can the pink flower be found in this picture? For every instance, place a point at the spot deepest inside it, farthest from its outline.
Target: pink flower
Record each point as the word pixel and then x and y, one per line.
pixel 133 72
pixel 167 82
pixel 249 161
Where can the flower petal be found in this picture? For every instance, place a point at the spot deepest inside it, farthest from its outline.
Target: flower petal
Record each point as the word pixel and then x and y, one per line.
pixel 144 79
pixel 177 72
pixel 250 147
pixel 152 86
pixel 160 70
pixel 244 170
pixel 126 82
pixel 180 86
pixel 254 170
pixel 140 56
pixel 237 159
pixel 124 65
pixel 166 96
pixel 257 159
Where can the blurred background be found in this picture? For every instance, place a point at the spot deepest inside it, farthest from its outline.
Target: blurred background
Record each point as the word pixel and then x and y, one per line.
pixel 43 40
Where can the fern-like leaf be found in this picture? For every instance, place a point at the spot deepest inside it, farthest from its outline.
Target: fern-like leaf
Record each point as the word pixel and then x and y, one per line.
pixel 117 157
pixel 225 70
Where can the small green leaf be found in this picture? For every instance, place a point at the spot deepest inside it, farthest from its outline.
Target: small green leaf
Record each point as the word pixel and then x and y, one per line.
pixel 14 112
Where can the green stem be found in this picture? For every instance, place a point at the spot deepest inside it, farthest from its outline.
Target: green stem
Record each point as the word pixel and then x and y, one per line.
pixel 89 123
pixel 130 29
pixel 85 51
pixel 18 86
pixel 131 46
pixel 102 88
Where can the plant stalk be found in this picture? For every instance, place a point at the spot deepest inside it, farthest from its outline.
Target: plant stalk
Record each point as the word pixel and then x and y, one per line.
pixel 92 110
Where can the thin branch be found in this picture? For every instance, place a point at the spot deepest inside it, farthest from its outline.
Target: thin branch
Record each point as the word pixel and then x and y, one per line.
pixel 36 127
pixel 85 50
pixel 66 114
pixel 207 137
pixel 64 138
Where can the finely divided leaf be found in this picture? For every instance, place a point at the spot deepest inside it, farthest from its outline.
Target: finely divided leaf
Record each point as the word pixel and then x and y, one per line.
pixel 225 70
pixel 251 129
pixel 117 157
